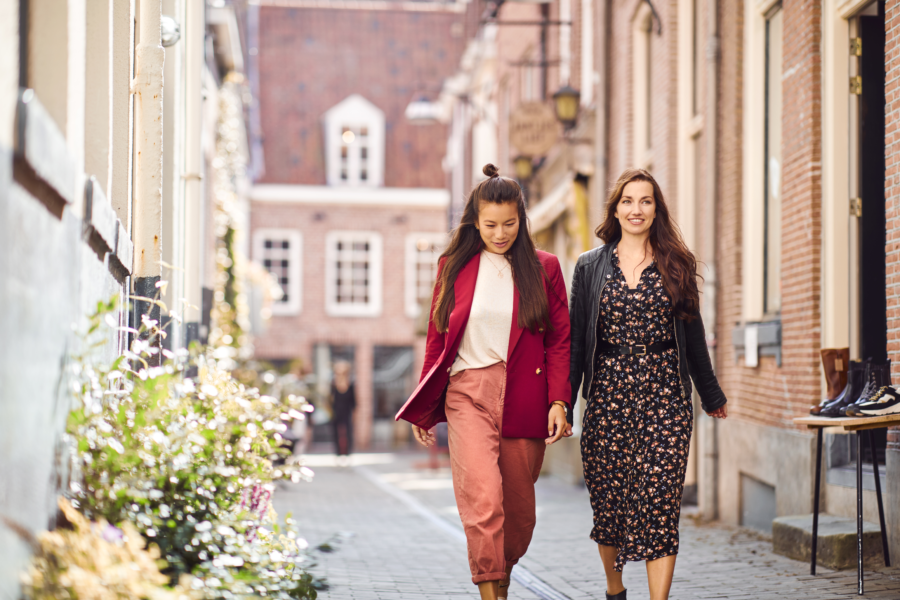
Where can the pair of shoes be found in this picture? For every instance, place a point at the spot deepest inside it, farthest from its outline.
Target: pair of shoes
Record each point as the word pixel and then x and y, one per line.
pixel 879 376
pixel 857 376
pixel 886 401
pixel 619 596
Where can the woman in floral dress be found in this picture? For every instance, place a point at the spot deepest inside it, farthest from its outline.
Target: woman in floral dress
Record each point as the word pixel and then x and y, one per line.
pixel 637 342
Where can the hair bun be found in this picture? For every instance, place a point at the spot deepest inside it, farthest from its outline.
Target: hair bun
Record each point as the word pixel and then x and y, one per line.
pixel 490 170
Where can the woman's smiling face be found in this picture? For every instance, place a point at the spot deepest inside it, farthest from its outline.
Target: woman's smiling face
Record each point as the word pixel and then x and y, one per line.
pixel 498 225
pixel 637 208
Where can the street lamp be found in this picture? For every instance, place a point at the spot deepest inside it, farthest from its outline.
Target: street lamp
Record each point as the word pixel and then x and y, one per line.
pixel 567 100
pixel 523 167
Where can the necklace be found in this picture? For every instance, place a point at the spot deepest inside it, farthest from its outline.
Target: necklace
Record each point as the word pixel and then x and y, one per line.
pixel 499 269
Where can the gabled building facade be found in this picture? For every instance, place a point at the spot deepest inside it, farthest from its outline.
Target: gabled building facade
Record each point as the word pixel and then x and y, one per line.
pixel 351 212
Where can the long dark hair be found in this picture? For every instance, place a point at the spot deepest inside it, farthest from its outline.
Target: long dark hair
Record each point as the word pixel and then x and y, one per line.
pixel 676 262
pixel 528 273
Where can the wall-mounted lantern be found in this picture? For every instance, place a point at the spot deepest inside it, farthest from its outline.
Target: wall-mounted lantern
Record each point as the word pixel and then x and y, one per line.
pixel 523 167
pixel 567 100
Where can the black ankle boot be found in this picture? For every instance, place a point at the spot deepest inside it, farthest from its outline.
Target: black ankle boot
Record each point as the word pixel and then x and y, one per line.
pixel 879 376
pixel 857 378
pixel 619 596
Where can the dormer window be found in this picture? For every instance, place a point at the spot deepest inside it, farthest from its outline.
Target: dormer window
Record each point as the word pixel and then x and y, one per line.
pixel 354 143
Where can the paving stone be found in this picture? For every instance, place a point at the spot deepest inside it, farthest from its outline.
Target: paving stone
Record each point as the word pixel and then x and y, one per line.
pixel 388 551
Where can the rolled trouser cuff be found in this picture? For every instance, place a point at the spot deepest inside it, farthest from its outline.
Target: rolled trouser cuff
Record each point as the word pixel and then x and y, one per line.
pixel 500 576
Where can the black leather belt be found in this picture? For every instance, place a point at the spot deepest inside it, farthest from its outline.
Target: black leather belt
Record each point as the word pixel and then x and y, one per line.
pixel 637 350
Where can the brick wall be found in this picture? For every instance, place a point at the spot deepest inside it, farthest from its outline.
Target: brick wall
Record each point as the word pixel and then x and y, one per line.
pixel 663 94
pixel 311 59
pixel 892 190
pixel 768 394
pixel 730 166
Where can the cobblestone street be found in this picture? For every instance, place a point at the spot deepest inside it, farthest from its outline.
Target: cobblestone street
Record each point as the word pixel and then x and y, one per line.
pixel 398 537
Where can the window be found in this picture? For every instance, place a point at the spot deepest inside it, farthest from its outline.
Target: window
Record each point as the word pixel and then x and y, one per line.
pixel 354 155
pixel 772 167
pixel 354 143
pixel 422 252
pixel 279 251
pixel 353 273
pixel 642 39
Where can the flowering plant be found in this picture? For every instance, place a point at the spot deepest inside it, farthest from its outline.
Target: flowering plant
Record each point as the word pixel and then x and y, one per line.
pixel 95 560
pixel 171 442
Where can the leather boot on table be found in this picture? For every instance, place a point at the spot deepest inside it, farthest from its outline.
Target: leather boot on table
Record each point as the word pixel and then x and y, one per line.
pixel 835 364
pixel 879 377
pixel 857 377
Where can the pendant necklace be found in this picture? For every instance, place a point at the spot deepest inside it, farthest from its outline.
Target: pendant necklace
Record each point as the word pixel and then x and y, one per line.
pixel 499 270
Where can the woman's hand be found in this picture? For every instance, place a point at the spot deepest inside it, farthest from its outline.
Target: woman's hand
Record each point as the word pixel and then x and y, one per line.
pixel 719 413
pixel 424 437
pixel 557 426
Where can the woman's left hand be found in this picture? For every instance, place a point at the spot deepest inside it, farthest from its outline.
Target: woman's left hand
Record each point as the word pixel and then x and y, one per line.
pixel 557 425
pixel 719 413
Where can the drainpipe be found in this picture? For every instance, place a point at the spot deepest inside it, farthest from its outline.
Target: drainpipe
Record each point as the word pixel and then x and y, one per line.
pixel 193 168
pixel 709 446
pixel 147 86
pixel 601 102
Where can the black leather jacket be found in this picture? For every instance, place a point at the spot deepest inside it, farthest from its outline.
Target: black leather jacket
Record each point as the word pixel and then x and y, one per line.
pixel 593 269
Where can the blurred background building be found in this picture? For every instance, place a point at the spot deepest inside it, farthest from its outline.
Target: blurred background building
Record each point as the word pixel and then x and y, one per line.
pixel 351 212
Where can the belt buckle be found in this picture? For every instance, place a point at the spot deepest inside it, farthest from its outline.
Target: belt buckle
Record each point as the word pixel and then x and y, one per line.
pixel 644 346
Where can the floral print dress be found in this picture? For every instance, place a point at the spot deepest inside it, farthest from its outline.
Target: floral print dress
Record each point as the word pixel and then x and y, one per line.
pixel 637 424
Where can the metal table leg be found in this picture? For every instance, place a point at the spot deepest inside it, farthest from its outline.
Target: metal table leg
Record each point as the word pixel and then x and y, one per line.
pixel 815 524
pixel 859 513
pixel 884 540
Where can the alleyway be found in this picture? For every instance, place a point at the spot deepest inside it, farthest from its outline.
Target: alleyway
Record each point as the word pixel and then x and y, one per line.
pixel 399 538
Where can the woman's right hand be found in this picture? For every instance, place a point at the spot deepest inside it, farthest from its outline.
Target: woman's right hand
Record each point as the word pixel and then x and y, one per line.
pixel 424 436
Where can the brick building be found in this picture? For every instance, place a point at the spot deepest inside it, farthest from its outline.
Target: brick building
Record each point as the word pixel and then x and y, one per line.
pixel 782 177
pixel 351 211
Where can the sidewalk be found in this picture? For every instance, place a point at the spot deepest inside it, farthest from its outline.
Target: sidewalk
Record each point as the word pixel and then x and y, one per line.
pixel 401 539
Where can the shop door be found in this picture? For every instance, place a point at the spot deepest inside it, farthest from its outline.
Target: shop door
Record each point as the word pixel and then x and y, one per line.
pixel 871 168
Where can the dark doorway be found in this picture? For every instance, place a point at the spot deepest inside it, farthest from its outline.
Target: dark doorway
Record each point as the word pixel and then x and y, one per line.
pixel 872 224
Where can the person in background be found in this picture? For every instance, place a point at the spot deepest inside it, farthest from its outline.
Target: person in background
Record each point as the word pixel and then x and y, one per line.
pixel 343 405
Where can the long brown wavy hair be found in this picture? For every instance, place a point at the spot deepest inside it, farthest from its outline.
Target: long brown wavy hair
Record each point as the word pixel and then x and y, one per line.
pixel 675 261
pixel 528 272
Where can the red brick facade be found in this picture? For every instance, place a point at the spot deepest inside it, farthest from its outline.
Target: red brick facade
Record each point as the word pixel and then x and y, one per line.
pixel 311 59
pixel 892 191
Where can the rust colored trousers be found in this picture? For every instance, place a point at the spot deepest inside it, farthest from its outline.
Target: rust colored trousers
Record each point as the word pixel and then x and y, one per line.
pixel 493 476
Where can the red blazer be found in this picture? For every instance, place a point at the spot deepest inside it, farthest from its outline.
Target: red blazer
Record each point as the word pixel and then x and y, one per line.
pixel 537 370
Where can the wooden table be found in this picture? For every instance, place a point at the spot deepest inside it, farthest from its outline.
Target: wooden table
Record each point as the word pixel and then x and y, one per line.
pixel 850 425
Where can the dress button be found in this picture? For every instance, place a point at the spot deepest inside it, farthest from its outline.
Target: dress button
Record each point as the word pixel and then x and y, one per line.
pixel 538 372
pixel 608 276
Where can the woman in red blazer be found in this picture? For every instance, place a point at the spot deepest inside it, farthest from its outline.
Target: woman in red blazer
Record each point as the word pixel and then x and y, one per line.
pixel 497 371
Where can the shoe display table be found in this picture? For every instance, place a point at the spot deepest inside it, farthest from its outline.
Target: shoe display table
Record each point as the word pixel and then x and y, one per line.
pixel 850 425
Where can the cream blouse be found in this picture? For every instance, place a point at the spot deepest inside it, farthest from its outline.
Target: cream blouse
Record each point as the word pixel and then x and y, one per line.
pixel 485 341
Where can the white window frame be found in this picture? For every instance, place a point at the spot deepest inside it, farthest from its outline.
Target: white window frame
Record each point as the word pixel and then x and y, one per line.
pixel 642 42
pixel 355 113
pixel 294 305
pixel 753 210
pixel 373 307
pixel 413 308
